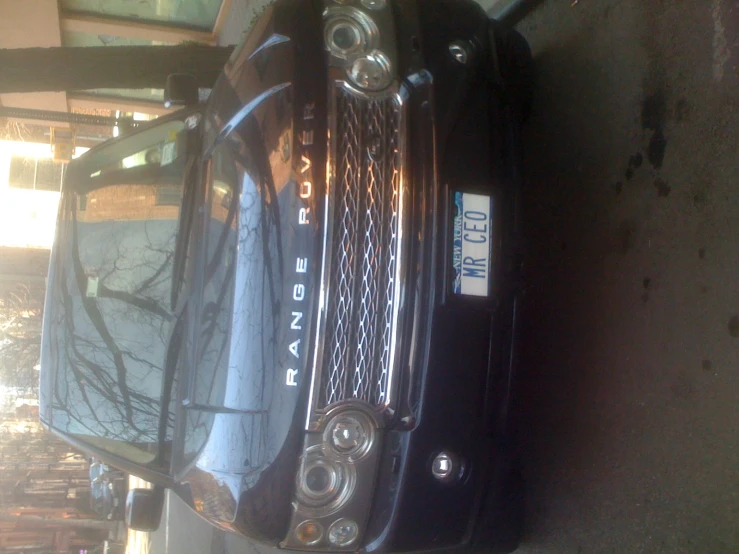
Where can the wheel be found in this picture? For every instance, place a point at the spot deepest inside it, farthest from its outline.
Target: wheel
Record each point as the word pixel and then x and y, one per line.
pixel 514 67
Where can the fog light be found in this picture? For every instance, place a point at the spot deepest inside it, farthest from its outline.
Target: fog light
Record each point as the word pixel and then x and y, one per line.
pixel 343 532
pixel 460 50
pixel 371 72
pixel 446 466
pixel 309 532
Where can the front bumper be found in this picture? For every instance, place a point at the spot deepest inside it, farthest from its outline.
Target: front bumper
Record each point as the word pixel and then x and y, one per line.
pixel 456 394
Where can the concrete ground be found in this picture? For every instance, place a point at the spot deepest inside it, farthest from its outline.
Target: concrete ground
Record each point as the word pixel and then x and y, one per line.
pixel 631 346
pixel 632 212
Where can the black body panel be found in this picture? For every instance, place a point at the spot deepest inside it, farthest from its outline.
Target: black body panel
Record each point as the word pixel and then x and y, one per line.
pixel 459 390
pixel 279 162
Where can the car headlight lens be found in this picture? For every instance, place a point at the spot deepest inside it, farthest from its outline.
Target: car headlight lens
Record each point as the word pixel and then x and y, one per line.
pixel 318 483
pixel 350 434
pixel 343 532
pixel 344 37
pixel 324 483
pixel 371 72
pixel 321 479
pixel 309 532
pixel 349 32
pixel 333 491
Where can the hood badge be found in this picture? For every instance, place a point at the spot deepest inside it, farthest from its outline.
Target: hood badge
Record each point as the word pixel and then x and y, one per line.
pixel 305 192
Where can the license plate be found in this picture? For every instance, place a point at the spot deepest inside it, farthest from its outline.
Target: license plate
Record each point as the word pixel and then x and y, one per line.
pixel 472 244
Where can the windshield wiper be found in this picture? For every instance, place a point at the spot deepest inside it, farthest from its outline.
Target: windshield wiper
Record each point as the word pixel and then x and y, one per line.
pixel 191 178
pixel 168 379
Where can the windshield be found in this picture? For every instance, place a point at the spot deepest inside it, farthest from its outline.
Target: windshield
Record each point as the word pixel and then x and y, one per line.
pixel 112 319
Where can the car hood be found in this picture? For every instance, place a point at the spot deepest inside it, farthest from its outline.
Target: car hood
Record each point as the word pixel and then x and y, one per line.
pixel 257 279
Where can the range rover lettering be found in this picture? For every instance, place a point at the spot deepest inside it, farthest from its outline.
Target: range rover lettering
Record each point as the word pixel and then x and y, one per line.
pixel 295 305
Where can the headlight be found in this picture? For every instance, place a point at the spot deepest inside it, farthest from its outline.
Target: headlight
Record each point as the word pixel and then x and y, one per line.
pixel 350 434
pixel 349 32
pixel 344 37
pixel 335 481
pixel 343 532
pixel 323 482
pixel 320 481
pixel 353 36
pixel 371 72
pixel 309 532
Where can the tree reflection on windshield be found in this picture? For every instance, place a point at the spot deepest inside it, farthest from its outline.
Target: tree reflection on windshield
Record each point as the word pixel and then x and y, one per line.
pixel 112 292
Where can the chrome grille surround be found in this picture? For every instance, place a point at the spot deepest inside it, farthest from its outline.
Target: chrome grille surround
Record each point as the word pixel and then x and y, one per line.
pixel 355 355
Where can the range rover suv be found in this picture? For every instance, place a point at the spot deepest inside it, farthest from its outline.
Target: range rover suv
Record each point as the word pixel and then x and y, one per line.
pixel 296 305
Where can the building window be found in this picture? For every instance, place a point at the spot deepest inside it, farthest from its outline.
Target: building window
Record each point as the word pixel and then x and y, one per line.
pixel 36 174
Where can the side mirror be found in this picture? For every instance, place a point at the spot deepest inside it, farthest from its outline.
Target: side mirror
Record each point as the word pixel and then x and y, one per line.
pixel 144 508
pixel 181 90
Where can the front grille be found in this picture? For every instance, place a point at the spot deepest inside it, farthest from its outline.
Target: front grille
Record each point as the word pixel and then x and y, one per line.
pixel 363 250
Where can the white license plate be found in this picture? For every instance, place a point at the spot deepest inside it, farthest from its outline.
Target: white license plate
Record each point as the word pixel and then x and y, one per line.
pixel 473 228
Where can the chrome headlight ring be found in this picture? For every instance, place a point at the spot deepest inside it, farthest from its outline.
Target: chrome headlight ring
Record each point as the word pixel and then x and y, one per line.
pixel 372 71
pixel 350 434
pixel 343 532
pixel 353 38
pixel 349 32
pixel 324 483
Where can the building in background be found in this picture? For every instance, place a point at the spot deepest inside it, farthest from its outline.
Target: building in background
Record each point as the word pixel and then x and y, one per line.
pixel 49 23
pixel 45 492
pixel 30 185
